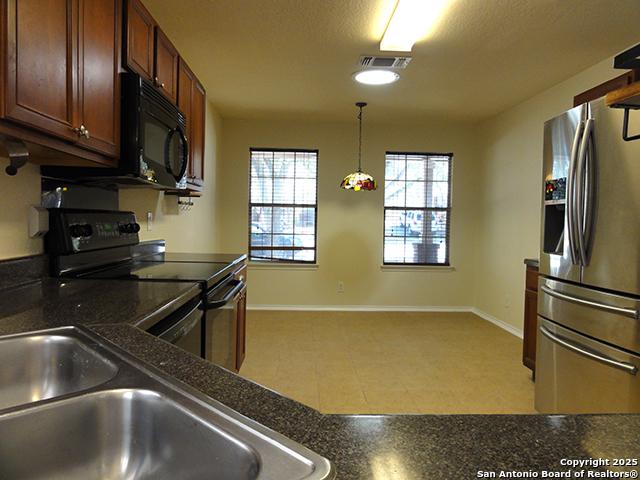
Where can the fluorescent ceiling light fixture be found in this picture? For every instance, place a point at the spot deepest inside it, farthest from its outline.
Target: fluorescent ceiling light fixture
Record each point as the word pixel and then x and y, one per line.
pixel 411 21
pixel 376 77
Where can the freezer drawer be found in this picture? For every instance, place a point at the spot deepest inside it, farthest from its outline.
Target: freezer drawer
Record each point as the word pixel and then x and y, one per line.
pixel 576 374
pixel 605 316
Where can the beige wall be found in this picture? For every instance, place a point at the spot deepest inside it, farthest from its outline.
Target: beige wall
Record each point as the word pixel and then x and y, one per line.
pixel 18 193
pixel 192 230
pixel 350 224
pixel 511 179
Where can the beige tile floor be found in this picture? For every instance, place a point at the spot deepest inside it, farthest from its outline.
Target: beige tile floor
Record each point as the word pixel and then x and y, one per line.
pixel 363 362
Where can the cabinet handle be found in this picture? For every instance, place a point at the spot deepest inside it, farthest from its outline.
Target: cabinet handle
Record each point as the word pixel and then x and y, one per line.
pixel 158 83
pixel 82 131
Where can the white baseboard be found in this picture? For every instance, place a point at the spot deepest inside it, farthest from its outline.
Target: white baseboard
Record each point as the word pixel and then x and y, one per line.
pixel 390 308
pixel 496 321
pixel 358 308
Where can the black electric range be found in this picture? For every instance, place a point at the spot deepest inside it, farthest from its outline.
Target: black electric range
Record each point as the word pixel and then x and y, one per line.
pixel 99 245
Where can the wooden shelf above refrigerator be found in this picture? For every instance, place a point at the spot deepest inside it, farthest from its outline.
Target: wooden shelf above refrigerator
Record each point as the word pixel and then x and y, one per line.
pixel 625 97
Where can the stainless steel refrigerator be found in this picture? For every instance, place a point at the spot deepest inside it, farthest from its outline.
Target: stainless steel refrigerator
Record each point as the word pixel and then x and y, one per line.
pixel 588 338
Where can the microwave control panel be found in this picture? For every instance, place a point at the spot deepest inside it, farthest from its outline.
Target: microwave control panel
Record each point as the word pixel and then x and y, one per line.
pixel 555 189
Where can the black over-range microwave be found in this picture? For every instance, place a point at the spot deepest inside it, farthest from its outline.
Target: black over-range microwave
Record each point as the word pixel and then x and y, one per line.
pixel 154 148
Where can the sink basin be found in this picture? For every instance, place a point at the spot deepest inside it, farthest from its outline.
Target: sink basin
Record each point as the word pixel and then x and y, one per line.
pixel 38 367
pixel 102 414
pixel 119 434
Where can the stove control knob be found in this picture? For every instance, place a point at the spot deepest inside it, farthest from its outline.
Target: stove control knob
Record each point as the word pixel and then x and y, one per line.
pixel 79 231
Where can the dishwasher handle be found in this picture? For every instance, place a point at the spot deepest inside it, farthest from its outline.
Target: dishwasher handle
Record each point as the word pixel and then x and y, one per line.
pixel 239 285
pixel 586 352
pixel 182 327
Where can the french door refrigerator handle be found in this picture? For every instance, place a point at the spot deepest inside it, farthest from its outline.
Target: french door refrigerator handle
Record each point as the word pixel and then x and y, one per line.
pixel 628 312
pixel 570 197
pixel 591 186
pixel 581 195
pixel 579 349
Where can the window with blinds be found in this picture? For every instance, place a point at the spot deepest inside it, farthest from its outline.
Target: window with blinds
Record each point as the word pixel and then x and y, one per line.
pixel 417 208
pixel 283 205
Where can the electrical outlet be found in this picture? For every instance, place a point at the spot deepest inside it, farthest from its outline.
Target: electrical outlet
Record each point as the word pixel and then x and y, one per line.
pixel 149 221
pixel 340 286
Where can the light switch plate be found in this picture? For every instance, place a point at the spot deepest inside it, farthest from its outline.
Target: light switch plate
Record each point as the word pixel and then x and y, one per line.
pixel 38 221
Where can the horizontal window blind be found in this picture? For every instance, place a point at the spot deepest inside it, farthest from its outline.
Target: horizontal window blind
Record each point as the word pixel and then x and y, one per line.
pixel 283 205
pixel 417 208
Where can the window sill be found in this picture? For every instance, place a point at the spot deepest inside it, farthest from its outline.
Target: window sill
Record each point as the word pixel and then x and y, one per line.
pixel 282 266
pixel 417 268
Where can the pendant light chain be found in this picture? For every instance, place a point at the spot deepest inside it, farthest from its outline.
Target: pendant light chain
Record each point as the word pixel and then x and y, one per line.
pixel 360 141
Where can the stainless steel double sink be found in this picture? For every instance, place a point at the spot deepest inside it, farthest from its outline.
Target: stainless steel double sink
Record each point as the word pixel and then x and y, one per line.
pixel 74 406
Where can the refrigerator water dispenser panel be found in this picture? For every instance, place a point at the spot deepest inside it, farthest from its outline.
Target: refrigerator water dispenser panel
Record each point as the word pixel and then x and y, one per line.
pixel 555 189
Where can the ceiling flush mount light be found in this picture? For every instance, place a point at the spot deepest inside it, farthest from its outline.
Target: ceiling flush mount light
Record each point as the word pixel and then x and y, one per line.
pixel 359 180
pixel 411 21
pixel 376 77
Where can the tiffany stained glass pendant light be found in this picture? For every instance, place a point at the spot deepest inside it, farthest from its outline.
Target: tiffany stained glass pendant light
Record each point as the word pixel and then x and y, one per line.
pixel 359 180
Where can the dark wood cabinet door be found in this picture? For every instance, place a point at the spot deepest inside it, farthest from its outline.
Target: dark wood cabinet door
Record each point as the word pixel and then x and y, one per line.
pixel 166 66
pixel 98 69
pixel 241 312
pixel 40 65
pixel 530 319
pixel 192 102
pixel 139 41
pixel 185 100
pixel 198 114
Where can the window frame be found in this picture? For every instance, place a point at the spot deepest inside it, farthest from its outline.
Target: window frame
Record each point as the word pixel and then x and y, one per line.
pixel 293 248
pixel 448 208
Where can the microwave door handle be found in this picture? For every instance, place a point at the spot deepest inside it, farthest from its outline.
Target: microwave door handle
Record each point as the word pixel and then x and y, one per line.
pixel 586 352
pixel 210 305
pixel 580 192
pixel 627 312
pixel 570 197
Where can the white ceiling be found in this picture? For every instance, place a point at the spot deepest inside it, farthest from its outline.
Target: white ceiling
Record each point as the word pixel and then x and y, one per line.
pixel 294 58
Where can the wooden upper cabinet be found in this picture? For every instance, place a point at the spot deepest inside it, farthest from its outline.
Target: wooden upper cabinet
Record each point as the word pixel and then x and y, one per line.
pixel 98 68
pixel 197 133
pixel 40 65
pixel 186 80
pixel 139 43
pixel 61 69
pixel 166 66
pixel 192 102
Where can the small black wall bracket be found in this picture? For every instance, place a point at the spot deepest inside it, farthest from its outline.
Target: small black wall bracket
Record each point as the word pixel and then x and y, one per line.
pixel 18 155
pixel 625 126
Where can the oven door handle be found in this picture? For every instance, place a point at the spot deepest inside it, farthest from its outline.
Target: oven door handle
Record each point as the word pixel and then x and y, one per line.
pixel 586 352
pixel 211 304
pixel 182 326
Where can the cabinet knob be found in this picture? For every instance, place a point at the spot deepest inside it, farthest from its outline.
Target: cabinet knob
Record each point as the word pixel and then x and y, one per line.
pixel 82 131
pixel 158 83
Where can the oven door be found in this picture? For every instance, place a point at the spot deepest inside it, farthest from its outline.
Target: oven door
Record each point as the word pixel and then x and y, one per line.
pixel 577 374
pixel 221 324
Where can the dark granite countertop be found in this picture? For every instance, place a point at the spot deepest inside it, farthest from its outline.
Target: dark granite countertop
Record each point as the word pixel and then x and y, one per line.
pixel 361 446
pixel 51 302
pixel 531 262
pixel 400 446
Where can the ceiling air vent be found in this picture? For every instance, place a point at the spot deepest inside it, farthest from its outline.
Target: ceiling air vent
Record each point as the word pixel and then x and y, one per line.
pixel 371 61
